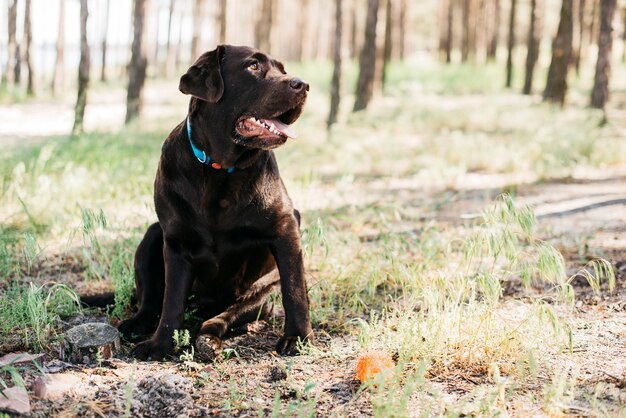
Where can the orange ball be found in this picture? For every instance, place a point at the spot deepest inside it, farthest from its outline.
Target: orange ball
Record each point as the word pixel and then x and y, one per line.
pixel 371 363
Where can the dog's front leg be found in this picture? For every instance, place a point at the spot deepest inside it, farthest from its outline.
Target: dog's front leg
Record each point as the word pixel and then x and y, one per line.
pixel 178 277
pixel 287 252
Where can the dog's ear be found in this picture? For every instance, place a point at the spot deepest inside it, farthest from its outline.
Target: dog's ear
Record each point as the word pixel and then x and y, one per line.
pixel 204 78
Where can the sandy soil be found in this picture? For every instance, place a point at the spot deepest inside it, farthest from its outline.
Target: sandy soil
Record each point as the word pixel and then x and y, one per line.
pixel 585 216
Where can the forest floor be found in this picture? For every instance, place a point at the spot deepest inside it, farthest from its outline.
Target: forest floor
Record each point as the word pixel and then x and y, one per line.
pixel 488 305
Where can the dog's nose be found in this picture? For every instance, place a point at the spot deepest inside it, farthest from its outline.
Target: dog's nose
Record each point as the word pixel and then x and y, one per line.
pixel 298 84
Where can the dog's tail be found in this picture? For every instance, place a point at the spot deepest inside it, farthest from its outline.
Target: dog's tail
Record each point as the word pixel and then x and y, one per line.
pixel 101 300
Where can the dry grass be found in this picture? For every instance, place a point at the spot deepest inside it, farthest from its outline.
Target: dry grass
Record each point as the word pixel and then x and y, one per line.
pixel 481 314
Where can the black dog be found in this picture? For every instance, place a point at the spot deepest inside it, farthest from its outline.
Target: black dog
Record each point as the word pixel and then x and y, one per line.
pixel 227 232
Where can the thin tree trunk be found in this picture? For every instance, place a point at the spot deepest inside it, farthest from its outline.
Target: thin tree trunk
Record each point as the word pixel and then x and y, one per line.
pixel 198 15
pixel 9 76
pixel 449 30
pixel 223 8
pixel 624 35
pixel 335 88
pixel 556 85
pixel 367 62
pixel 103 67
pixel 600 91
pixel 388 43
pixel 534 39
pixel 154 53
pixel 465 38
pixel 402 29
pixel 495 34
pixel 444 6
pixel 83 71
pixel 581 33
pixel 593 21
pixel 179 45
pixel 353 30
pixel 17 69
pixel 28 40
pixel 510 44
pixel 263 27
pixel 59 70
pixel 170 57
pixel 138 63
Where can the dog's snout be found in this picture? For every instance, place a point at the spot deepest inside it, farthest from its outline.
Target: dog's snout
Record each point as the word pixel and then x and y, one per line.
pixel 298 84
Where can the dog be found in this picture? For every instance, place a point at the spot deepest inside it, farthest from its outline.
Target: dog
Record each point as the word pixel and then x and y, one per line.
pixel 227 231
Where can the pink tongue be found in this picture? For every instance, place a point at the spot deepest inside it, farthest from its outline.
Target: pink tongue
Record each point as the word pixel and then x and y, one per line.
pixel 283 128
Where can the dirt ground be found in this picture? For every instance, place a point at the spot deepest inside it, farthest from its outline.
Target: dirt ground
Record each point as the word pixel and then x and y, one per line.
pixel 585 216
pixel 596 207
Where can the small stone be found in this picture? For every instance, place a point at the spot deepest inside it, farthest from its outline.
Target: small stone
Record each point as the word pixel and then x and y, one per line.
pixel 277 373
pixel 91 342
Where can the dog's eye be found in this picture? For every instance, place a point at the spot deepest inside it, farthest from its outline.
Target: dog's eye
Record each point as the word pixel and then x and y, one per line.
pixel 254 66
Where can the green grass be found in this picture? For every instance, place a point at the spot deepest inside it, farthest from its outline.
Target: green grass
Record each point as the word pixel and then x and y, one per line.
pixel 378 268
pixel 32 313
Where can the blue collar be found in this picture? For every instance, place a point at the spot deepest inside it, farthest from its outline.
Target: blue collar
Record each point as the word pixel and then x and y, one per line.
pixel 202 156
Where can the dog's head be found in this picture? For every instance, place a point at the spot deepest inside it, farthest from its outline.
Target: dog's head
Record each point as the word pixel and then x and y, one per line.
pixel 251 93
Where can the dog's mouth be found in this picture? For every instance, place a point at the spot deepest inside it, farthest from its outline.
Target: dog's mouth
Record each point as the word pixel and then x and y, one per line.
pixel 250 126
pixel 270 130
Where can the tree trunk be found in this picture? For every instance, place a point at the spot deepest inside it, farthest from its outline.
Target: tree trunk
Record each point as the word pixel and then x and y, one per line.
pixel 388 42
pixel 593 19
pixel 28 40
pixel 443 29
pixel 198 14
pixel 600 91
pixel 223 8
pixel 138 62
pixel 449 30
pixel 335 87
pixel 103 74
pixel 367 61
pixel 153 41
pixel 59 70
pixel 9 76
pixel 353 30
pixel 179 46
pixel 556 85
pixel 534 39
pixel 492 48
pixel 83 71
pixel 263 27
pixel 581 33
pixel 17 69
pixel 170 58
pixel 402 30
pixel 510 44
pixel 624 36
pixel 467 29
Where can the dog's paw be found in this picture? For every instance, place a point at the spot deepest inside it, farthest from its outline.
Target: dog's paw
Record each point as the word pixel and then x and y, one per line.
pixel 291 345
pixel 151 350
pixel 208 347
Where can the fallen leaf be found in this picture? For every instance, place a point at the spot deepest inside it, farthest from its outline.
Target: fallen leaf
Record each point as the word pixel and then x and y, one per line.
pixel 14 358
pixel 15 399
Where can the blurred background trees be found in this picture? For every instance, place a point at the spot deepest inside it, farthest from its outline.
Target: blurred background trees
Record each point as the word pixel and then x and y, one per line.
pixel 539 44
